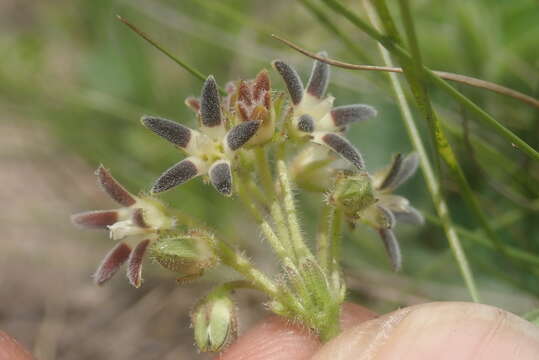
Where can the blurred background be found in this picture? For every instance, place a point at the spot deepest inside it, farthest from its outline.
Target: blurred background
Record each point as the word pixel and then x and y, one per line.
pixel 74 82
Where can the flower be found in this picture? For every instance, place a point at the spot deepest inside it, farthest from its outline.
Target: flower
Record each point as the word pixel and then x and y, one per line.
pixel 212 149
pixel 141 217
pixel 371 201
pixel 313 114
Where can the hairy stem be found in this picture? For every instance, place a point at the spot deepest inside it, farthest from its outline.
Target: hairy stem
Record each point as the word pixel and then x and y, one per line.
pixel 300 248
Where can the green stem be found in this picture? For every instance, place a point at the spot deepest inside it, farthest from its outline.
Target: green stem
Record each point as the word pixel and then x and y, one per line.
pixel 335 227
pixel 243 266
pixel 322 241
pixel 264 172
pixel 282 229
pixel 182 63
pixel 300 248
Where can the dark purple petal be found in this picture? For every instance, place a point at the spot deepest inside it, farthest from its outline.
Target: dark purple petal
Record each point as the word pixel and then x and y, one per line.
pixel 306 123
pixel 408 168
pixel 99 219
pixel 113 188
pixel 410 216
pixel 342 147
pixel 240 134
pixel 134 263
pixel 291 79
pixel 386 219
pixel 393 172
pixel 169 130
pixel 318 81
pixel 210 108
pixel 178 174
pixel 111 263
pixel 392 247
pixel 138 218
pixel 347 114
pixel 221 177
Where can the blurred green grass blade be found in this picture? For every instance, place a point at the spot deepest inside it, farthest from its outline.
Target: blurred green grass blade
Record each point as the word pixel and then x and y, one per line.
pixel 532 316
pixel 398 51
pixel 190 69
pixel 428 174
pixel 423 99
pixel 479 239
pixel 226 10
pixel 323 19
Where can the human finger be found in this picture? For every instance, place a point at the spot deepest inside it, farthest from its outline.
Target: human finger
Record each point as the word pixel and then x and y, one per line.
pixel 445 330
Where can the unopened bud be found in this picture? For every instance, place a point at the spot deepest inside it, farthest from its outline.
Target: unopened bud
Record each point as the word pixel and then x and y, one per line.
pixel 215 322
pixel 188 253
pixel 353 193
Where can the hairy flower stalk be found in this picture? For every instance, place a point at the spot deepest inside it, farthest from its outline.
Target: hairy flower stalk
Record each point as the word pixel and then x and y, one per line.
pixel 240 147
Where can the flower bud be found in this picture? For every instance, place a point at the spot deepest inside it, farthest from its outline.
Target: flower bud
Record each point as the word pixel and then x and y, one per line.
pixel 353 193
pixel 188 253
pixel 215 322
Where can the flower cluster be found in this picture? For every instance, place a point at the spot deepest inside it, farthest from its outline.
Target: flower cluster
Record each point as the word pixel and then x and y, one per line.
pixel 140 218
pixel 371 201
pixel 231 149
pixel 313 114
pixel 212 150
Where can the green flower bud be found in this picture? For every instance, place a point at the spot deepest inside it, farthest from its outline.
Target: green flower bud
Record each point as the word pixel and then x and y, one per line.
pixel 215 322
pixel 189 253
pixel 353 193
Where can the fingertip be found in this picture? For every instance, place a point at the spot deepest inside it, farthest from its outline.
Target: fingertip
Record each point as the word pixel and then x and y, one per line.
pixel 10 349
pixel 448 330
pixel 273 339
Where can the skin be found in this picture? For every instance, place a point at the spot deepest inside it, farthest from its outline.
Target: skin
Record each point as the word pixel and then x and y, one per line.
pixel 444 330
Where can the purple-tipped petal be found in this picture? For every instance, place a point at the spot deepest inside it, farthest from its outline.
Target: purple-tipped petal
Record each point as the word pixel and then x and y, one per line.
pixel 306 123
pixel 240 134
pixel 193 103
pixel 341 146
pixel 408 168
pixel 221 177
pixel 410 216
pixel 111 263
pixel 178 174
pixel 318 81
pixel 262 85
pixel 113 188
pixel 392 247
pixel 385 218
pixel 134 263
pixel 210 107
pixel 138 218
pixel 291 79
pixel 347 114
pixel 169 130
pixel 393 172
pixel 99 219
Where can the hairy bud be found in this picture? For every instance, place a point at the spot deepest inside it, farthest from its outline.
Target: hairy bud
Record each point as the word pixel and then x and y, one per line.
pixel 215 322
pixel 187 254
pixel 353 193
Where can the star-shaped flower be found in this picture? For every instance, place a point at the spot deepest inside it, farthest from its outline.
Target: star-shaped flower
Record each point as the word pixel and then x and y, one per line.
pixel 140 218
pixel 313 114
pixel 211 150
pixel 371 201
